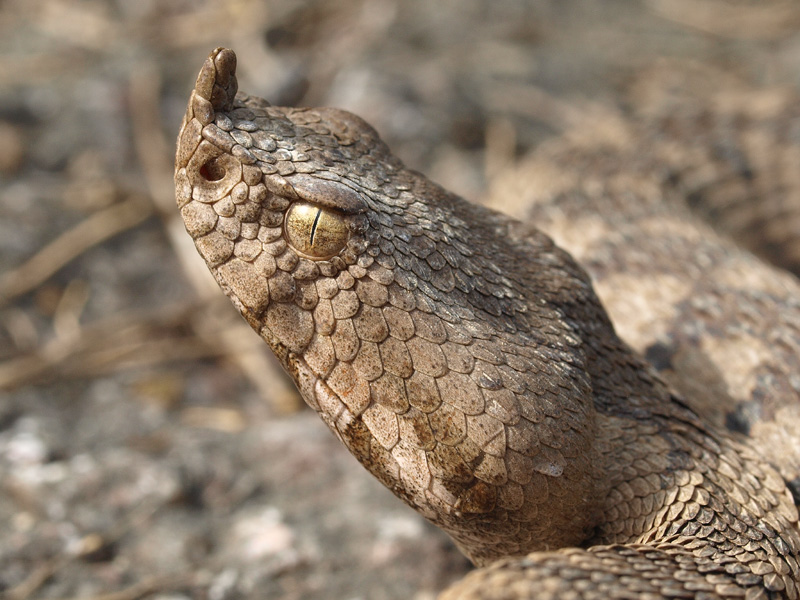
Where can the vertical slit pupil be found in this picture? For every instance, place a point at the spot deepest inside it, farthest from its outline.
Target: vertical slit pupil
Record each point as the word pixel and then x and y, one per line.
pixel 314 226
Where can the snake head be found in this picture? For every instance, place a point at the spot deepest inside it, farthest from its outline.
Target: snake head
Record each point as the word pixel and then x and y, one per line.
pixel 402 312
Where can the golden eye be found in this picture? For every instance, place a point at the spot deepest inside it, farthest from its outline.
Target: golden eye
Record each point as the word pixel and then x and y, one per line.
pixel 315 231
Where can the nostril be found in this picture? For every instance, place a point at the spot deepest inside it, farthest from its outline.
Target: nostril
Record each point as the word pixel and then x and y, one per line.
pixel 212 170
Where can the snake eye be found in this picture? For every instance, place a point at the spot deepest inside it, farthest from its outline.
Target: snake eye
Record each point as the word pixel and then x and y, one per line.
pixel 315 231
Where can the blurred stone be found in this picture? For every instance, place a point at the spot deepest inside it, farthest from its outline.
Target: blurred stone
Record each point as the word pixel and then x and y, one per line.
pixel 12 148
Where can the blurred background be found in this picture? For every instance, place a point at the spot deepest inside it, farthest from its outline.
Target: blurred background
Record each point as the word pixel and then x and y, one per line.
pixel 149 447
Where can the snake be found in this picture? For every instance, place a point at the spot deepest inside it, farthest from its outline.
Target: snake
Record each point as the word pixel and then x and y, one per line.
pixel 645 445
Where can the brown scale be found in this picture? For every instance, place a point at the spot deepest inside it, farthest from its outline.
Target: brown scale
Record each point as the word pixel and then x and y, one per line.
pixel 466 361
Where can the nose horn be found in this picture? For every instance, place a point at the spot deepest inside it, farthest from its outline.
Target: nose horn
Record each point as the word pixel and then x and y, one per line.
pixel 216 86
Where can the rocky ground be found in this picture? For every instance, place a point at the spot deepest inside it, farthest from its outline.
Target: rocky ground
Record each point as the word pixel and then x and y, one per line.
pixel 149 448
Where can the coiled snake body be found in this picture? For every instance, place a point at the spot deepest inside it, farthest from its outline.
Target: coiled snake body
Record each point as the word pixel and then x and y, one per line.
pixel 467 362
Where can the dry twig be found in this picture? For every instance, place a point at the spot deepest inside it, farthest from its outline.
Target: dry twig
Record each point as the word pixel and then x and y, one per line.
pixel 95 229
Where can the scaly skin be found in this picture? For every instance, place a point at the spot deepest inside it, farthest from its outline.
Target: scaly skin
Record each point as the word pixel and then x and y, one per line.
pixel 466 361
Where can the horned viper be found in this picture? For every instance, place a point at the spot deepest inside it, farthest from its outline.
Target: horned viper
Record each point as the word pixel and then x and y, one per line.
pixel 467 361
